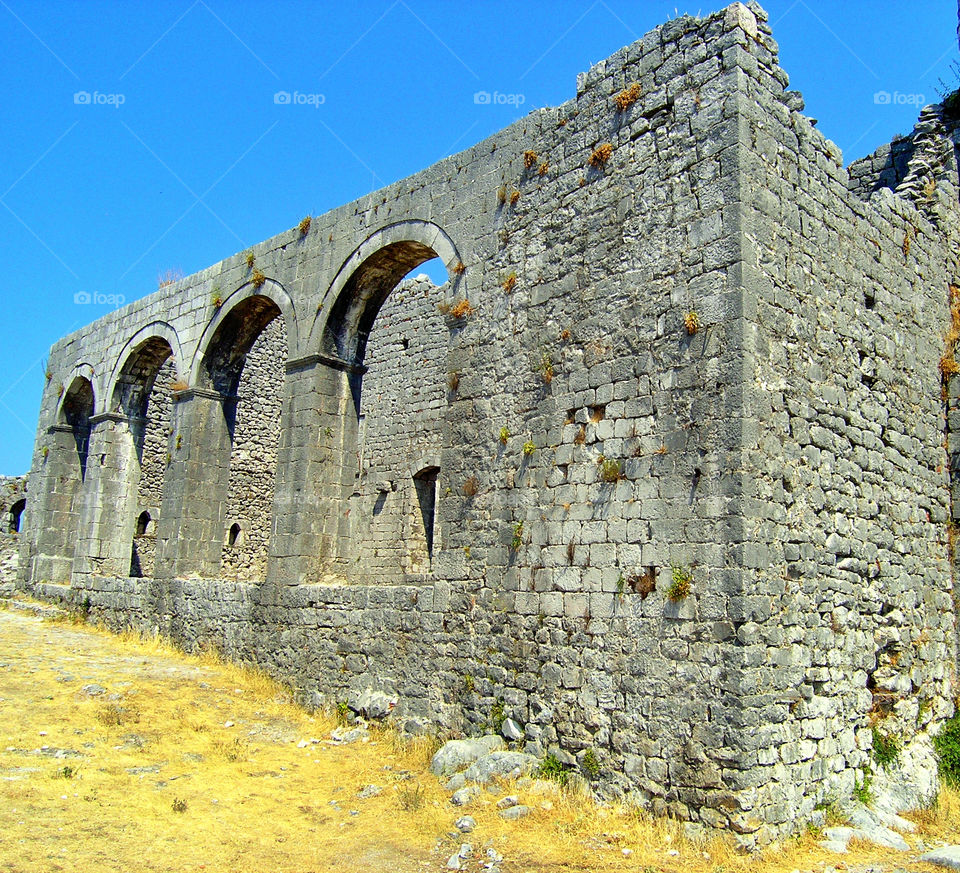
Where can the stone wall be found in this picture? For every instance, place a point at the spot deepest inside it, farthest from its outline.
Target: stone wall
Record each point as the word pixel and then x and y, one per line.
pixel 13 495
pixel 253 458
pixel 845 618
pixel 676 418
pixel 154 455
pixel 401 413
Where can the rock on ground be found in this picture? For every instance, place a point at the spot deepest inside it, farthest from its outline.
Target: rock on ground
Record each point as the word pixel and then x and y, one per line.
pixel 945 856
pixel 457 754
pixel 500 764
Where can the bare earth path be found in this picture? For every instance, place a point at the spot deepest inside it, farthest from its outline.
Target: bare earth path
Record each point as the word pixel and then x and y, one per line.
pixel 120 754
pixel 116 757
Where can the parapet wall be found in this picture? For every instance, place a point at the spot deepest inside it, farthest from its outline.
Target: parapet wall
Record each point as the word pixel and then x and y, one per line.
pixel 675 350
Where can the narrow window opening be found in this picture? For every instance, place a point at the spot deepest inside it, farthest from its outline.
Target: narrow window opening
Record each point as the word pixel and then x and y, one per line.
pixel 143 523
pixel 16 511
pixel 233 536
pixel 426 484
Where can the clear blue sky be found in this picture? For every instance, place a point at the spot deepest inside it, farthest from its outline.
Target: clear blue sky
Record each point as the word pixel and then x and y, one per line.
pixel 199 161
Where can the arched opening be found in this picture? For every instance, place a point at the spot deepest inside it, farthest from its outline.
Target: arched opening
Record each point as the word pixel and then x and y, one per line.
pixel 143 524
pixel 245 362
pixel 143 394
pixel 143 551
pixel 388 325
pixel 16 514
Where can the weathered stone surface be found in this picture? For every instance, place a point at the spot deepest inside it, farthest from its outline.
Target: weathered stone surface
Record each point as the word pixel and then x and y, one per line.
pixel 867 825
pixel 373 704
pixel 946 856
pixel 454 755
pixel 503 764
pixel 511 730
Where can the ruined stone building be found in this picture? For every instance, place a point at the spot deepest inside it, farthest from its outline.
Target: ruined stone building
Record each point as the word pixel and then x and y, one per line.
pixel 663 469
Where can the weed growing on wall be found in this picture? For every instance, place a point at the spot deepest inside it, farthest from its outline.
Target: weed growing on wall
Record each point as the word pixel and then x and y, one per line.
pixel 947 746
pixel 681 582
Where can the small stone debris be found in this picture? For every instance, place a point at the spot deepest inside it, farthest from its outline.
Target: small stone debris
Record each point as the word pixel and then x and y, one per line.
pixel 508 801
pixel 346 735
pixel 369 791
pixel 515 812
pixel 453 863
pixel 93 690
pixel 466 850
pixel 464 795
pixel 465 824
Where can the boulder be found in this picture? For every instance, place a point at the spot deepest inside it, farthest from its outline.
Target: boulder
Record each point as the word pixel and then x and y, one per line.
pixel 373 704
pixel 504 764
pixel 457 754
pixel 945 856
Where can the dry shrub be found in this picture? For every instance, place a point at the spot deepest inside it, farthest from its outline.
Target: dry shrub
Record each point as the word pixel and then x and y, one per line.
pixel 600 155
pixel 461 309
pixel 170 277
pixel 625 99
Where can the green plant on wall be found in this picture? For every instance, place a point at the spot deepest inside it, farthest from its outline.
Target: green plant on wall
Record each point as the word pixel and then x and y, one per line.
pixel 545 368
pixel 590 764
pixel 551 768
pixel 680 584
pixel 886 749
pixel 517 539
pixel 529 448
pixel 947 746
pixel 610 470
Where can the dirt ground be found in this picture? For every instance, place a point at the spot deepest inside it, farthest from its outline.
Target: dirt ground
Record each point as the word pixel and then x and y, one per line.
pixel 123 754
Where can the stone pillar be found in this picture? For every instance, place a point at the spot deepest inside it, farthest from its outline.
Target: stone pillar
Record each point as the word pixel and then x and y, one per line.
pixel 191 528
pixel 106 518
pixel 54 515
pixel 316 469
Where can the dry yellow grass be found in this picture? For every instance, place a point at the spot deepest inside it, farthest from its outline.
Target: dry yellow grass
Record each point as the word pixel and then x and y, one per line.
pixel 186 763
